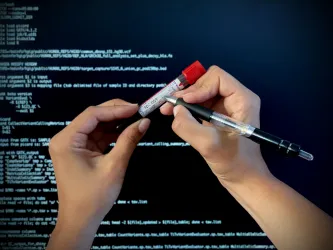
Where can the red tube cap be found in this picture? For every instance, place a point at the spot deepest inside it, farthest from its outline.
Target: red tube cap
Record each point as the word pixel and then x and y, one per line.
pixel 193 72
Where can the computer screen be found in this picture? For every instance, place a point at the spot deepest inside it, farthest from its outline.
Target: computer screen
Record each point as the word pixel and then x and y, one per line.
pixel 59 57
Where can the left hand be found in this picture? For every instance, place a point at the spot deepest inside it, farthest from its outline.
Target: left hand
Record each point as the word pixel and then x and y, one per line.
pixel 88 181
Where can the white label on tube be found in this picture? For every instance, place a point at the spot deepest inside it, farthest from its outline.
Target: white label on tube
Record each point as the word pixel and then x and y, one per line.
pixel 158 99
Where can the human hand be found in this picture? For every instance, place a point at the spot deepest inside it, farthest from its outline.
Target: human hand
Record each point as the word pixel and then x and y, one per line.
pixel 232 158
pixel 88 181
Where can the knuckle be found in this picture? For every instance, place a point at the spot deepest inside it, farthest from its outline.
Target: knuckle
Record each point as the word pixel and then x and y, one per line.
pixel 111 102
pixel 214 68
pixel 116 101
pixel 91 110
pixel 54 145
pixel 252 102
pixel 244 105
pixel 204 86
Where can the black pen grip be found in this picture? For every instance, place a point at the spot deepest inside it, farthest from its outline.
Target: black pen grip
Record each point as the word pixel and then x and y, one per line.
pixel 283 146
pixel 196 110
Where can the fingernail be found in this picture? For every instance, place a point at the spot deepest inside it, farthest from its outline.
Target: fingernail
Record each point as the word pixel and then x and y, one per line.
pixel 144 125
pixel 164 105
pixel 134 104
pixel 176 110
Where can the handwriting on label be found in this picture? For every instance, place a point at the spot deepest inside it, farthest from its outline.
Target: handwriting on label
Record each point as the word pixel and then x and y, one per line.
pixel 158 99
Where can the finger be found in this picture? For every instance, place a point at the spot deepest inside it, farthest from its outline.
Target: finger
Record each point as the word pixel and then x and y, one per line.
pixel 239 102
pixel 215 82
pixel 191 131
pixel 197 93
pixel 183 92
pixel 115 102
pixel 128 140
pixel 87 121
pixel 166 108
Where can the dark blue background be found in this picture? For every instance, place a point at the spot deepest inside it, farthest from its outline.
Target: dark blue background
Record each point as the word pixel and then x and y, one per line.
pixel 283 52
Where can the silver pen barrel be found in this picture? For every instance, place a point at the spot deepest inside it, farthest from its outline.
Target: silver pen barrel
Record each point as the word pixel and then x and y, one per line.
pixel 231 125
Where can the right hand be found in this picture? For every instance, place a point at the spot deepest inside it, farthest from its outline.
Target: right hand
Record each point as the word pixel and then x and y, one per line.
pixel 232 158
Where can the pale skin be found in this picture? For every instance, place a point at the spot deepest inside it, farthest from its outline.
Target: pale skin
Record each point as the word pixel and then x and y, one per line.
pixel 89 182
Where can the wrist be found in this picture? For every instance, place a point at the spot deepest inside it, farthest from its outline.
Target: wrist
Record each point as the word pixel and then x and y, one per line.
pixel 77 224
pixel 251 179
pixel 72 235
pixel 254 189
pixel 78 218
pixel 79 227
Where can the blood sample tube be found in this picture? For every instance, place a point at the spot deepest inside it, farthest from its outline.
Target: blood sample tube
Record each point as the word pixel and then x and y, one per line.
pixel 188 77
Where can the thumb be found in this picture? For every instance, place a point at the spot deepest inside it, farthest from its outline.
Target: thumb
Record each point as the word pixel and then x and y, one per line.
pixel 128 140
pixel 190 130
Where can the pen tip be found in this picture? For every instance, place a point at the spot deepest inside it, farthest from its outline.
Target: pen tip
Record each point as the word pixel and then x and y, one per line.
pixel 171 99
pixel 305 155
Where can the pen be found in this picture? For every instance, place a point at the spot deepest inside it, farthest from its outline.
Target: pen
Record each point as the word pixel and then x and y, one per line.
pixel 188 77
pixel 230 124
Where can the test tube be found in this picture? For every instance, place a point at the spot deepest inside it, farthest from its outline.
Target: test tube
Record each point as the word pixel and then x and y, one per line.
pixel 188 77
